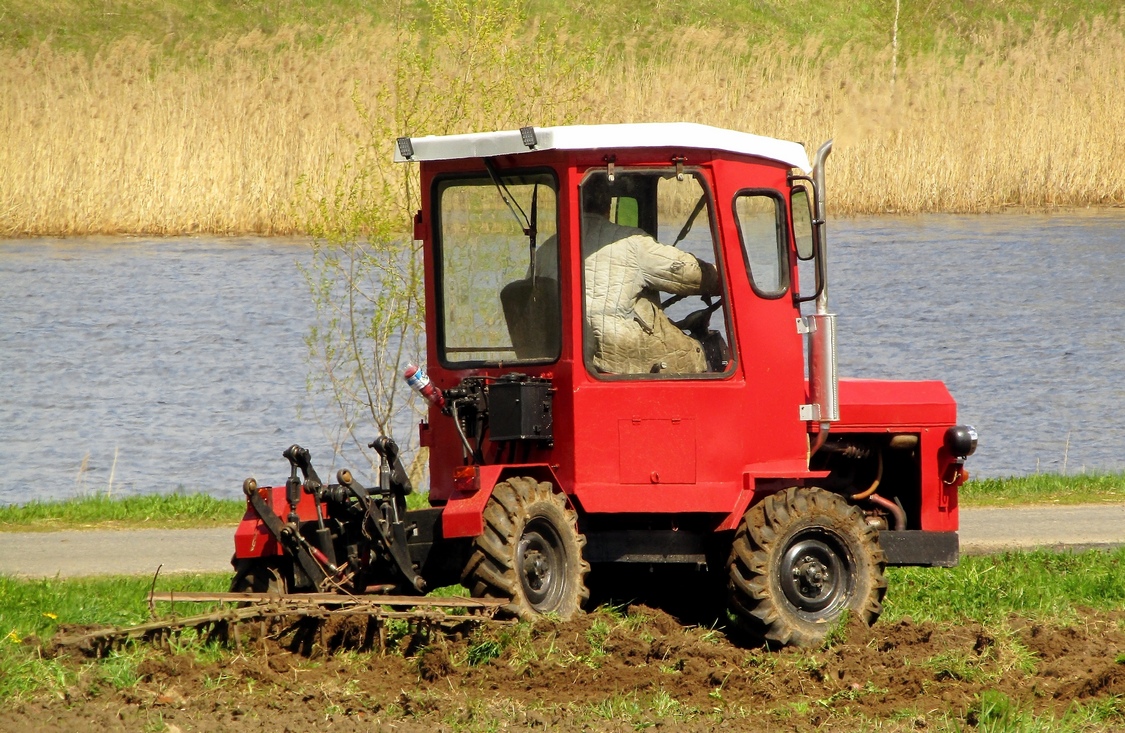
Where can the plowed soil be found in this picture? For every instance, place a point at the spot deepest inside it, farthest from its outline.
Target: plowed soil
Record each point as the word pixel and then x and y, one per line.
pixel 600 673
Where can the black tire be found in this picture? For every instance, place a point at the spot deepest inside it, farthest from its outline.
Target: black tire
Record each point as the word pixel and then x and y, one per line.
pixel 800 559
pixel 530 552
pixel 258 575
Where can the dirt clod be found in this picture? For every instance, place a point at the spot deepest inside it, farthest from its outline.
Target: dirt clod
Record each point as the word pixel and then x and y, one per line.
pixel 434 663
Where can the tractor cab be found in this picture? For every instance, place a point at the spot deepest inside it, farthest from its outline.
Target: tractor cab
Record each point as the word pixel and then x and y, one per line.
pixel 649 275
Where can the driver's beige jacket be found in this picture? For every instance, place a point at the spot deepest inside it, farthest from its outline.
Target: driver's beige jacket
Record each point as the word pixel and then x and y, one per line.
pixel 626 270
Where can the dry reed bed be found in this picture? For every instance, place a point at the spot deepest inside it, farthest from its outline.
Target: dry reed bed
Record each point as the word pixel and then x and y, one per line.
pixel 129 142
pixel 1036 120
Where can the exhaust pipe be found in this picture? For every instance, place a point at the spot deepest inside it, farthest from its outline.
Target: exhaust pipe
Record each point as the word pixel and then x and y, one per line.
pixel 821 326
pixel 821 232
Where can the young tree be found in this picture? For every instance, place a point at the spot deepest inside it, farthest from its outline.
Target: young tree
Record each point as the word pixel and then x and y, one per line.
pixel 476 66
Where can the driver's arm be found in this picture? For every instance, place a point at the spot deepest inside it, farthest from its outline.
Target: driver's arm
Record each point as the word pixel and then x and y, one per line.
pixel 672 270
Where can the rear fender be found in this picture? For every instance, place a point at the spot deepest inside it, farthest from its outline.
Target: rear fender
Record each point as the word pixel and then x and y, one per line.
pixel 463 514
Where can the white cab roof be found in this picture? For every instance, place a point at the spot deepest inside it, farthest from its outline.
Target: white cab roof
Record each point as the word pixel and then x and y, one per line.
pixel 596 137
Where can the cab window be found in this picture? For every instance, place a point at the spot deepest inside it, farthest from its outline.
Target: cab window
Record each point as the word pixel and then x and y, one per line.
pixel 494 306
pixel 653 305
pixel 761 229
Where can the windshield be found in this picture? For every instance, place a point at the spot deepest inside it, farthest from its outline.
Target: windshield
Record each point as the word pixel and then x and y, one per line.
pixel 491 309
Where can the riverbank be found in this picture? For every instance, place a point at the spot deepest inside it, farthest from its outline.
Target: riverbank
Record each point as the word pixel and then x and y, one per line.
pixel 213 127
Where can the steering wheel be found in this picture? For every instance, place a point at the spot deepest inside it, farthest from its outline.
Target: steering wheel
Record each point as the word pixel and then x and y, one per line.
pixel 697 323
pixel 669 302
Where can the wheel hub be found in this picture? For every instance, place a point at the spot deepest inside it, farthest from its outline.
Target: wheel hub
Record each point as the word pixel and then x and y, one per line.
pixel 811 575
pixel 814 574
pixel 537 571
pixel 541 564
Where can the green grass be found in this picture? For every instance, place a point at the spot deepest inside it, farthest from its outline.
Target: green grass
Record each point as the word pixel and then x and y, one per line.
pixel 163 511
pixel 950 25
pixel 987 589
pixel 38 606
pixel 1086 488
pixel 36 609
pixel 995 712
pixel 174 24
pixel 1037 586
pixel 183 25
pixel 991 712
pixel 148 511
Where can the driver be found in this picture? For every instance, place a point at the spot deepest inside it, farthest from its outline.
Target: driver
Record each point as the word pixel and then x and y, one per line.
pixel 625 271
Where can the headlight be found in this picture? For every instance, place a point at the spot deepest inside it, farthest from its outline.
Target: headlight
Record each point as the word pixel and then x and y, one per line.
pixel 961 440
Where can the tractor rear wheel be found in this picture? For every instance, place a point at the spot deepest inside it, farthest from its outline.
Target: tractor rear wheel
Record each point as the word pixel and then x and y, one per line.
pixel 801 558
pixel 530 552
pixel 258 575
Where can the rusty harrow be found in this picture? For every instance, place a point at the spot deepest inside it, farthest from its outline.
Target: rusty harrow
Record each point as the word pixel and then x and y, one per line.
pixel 300 616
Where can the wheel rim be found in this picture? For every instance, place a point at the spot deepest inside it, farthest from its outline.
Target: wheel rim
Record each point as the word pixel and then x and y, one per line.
pixel 817 574
pixel 541 563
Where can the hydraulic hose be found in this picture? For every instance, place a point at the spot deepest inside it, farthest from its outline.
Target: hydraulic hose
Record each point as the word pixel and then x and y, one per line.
pixel 874 484
pixel 461 431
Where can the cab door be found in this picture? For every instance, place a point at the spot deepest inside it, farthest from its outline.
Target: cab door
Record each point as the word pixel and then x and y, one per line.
pixel 762 270
pixel 659 411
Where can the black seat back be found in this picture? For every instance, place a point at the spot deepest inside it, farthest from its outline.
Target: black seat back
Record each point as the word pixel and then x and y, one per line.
pixel 532 313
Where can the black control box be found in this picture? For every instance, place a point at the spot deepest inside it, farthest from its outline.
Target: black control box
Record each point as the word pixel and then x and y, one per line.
pixel 519 408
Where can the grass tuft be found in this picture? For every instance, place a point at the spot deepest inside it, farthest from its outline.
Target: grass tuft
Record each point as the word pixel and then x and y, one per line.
pixel 484 651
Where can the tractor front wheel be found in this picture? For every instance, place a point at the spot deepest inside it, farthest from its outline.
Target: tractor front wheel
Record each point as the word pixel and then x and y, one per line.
pixel 801 558
pixel 530 552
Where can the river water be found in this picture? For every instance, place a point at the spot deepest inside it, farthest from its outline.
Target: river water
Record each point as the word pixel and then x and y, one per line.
pixel 136 366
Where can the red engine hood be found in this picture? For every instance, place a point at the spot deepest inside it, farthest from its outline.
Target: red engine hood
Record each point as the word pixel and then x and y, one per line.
pixel 876 403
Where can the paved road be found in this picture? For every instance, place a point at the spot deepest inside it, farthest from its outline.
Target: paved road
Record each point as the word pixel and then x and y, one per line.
pixel 72 553
pixel 994 530
pixel 119 552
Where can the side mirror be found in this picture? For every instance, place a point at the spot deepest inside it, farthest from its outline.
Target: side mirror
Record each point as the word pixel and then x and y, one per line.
pixel 801 206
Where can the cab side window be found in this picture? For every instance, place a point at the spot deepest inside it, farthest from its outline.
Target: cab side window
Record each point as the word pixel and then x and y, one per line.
pixel 761 229
pixel 490 309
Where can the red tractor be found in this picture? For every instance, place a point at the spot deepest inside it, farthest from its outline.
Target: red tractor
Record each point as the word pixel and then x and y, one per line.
pixel 626 374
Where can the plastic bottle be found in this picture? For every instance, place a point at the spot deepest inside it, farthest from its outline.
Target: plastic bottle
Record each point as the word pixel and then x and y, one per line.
pixel 418 380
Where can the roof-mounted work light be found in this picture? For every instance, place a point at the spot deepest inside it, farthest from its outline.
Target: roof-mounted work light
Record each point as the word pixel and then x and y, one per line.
pixel 405 147
pixel 529 138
